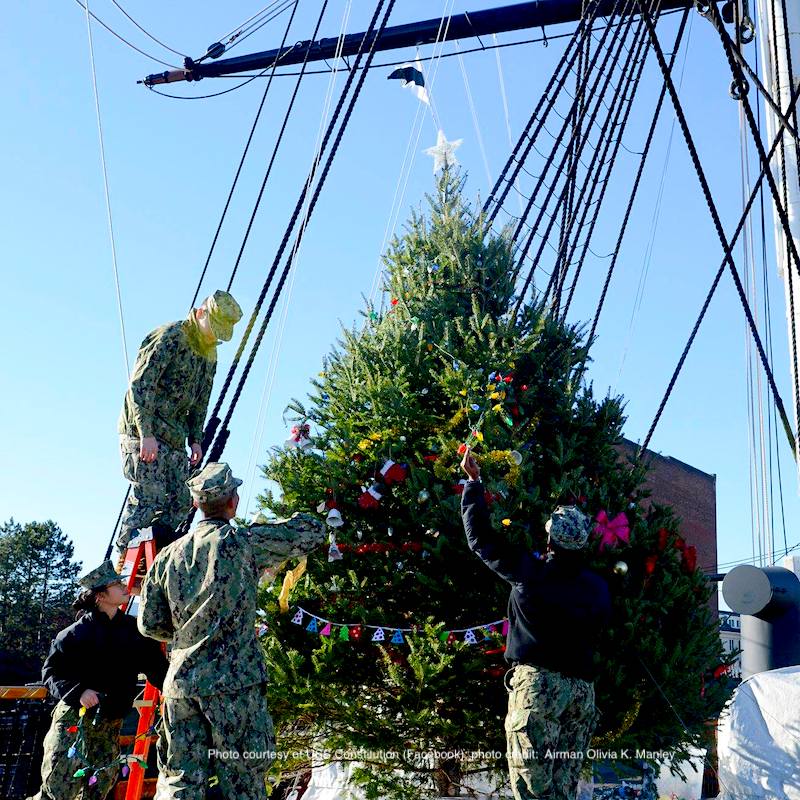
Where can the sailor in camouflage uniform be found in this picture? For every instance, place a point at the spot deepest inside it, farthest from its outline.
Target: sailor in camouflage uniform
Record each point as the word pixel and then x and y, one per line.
pixel 94 664
pixel 200 596
pixel 557 610
pixel 165 406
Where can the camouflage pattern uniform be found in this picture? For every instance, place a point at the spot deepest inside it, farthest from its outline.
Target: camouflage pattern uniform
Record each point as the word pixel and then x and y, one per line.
pixel 200 595
pixel 167 399
pixel 83 656
pixel 100 747
pixel 548 727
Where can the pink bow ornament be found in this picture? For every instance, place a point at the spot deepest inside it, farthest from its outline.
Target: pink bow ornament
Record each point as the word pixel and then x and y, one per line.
pixel 612 531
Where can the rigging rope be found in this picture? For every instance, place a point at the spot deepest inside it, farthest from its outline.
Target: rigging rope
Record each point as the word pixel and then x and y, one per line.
pixel 632 86
pixel 244 156
pixel 123 39
pixel 109 215
pixel 222 436
pixel 409 158
pixel 728 259
pixel 521 150
pixel 597 97
pixel 638 178
pixel 146 32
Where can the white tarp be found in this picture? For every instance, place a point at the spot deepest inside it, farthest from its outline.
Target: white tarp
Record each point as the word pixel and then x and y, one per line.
pixel 759 738
pixel 330 782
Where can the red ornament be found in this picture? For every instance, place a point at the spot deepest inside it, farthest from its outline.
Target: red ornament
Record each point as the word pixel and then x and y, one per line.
pixel 515 410
pixel 462 448
pixel 721 670
pixel 650 564
pixel 330 503
pixel 488 497
pixel 72 729
pixel 394 301
pixel 355 632
pixel 495 651
pixel 663 535
pixel 370 499
pixel 393 472
pixel 524 387
pixel 432 457
pixel 451 637
pixel 508 379
pixel 690 558
pixel 496 671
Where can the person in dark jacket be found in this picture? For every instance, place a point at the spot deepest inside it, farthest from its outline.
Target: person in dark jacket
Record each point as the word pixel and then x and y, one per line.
pixel 556 611
pixel 93 670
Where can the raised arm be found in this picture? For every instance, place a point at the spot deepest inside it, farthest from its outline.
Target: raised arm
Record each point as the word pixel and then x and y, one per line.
pixel 511 562
pixel 274 542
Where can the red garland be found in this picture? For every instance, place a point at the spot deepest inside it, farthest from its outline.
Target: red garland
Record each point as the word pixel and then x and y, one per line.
pixel 380 547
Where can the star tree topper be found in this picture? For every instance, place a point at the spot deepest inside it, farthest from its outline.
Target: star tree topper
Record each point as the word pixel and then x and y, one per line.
pixel 444 152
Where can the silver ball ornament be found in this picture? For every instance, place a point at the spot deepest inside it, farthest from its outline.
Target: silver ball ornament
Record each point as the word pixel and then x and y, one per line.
pixel 620 568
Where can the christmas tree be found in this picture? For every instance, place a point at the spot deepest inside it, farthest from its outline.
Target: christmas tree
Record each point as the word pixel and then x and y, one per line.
pixel 390 645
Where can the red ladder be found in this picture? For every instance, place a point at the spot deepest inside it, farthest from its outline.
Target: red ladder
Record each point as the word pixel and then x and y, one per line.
pixel 142 547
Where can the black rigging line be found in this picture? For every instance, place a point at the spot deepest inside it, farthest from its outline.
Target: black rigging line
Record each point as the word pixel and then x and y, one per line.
pixel 604 183
pixel 780 204
pixel 707 11
pixel 560 167
pixel 623 99
pixel 146 32
pixel 124 40
pixel 274 154
pixel 222 436
pixel 244 155
pixel 515 159
pixel 638 178
pixel 728 260
pixel 597 96
pixel 736 71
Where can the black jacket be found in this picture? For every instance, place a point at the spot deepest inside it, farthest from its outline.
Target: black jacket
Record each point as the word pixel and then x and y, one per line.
pixel 556 612
pixel 106 655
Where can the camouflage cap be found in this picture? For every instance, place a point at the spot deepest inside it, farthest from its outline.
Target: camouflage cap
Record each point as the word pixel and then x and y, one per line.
pixel 213 482
pixel 569 528
pixel 223 312
pixel 99 577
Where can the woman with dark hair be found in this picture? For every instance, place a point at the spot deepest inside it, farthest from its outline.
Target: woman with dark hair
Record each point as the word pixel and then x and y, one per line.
pixel 93 669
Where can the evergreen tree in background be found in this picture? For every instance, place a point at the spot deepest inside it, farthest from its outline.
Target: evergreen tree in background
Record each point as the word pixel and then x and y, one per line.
pixel 393 637
pixel 37 586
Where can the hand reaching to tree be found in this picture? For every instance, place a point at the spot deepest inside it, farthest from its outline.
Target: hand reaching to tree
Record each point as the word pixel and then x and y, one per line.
pixel 89 698
pixel 197 454
pixel 470 465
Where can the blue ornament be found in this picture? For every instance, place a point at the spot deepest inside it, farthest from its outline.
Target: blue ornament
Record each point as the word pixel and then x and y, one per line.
pixel 72 752
pixel 312 626
pixel 475 407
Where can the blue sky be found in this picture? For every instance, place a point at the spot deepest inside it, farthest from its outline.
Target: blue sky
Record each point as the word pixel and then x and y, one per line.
pixel 170 163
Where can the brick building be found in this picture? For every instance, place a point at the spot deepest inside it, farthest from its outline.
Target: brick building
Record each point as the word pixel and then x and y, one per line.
pixel 693 495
